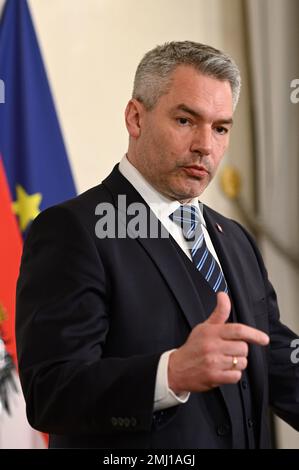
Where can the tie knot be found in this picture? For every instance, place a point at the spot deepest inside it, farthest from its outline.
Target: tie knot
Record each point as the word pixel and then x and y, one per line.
pixel 187 217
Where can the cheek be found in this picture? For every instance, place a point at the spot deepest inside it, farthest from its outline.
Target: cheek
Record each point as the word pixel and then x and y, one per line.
pixel 164 147
pixel 220 149
pixel 174 141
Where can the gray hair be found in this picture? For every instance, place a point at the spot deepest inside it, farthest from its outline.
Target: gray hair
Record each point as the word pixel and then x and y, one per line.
pixel 152 78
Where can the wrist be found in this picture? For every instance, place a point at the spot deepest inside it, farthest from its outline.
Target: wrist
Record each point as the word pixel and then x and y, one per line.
pixel 173 379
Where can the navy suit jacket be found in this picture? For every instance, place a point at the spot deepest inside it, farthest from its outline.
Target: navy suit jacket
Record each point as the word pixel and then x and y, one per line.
pixel 94 315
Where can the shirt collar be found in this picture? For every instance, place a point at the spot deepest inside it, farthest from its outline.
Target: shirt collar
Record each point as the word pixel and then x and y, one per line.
pixel 160 205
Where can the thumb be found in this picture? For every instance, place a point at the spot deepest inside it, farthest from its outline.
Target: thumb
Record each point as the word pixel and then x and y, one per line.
pixel 222 310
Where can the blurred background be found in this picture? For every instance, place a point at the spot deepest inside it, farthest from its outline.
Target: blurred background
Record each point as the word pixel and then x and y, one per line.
pixel 90 50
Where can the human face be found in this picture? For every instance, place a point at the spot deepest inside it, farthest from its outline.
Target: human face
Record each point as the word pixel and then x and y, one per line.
pixel 181 141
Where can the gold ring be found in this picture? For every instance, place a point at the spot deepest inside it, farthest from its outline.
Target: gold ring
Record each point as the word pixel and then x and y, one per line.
pixel 234 362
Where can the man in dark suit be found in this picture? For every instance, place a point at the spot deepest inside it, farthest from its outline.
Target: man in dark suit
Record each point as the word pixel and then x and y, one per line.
pixel 143 316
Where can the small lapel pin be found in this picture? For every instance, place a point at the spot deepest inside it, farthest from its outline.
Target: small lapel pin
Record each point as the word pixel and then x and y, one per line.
pixel 219 228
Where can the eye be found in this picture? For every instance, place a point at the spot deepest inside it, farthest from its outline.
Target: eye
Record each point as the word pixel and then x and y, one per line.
pixel 183 121
pixel 221 130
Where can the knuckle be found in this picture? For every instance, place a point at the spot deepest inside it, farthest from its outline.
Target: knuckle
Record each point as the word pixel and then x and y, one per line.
pixel 244 363
pixel 210 361
pixel 212 378
pixel 245 349
pixel 206 348
pixel 238 330
pixel 236 376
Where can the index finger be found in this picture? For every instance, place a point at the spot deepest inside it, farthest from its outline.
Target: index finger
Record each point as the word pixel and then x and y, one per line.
pixel 238 331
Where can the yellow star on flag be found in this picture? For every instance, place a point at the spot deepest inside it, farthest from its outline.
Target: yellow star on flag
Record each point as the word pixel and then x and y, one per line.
pixel 26 206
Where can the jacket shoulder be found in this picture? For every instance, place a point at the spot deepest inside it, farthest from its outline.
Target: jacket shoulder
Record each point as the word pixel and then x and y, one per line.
pixel 76 214
pixel 233 227
pixel 221 219
pixel 236 230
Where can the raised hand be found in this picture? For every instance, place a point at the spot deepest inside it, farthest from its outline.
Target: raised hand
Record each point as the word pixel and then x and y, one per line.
pixel 215 352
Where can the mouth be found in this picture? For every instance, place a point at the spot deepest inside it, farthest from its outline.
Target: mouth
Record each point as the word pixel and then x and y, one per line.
pixel 197 171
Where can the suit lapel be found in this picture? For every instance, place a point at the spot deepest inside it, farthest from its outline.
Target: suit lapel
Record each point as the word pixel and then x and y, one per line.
pixel 176 275
pixel 163 253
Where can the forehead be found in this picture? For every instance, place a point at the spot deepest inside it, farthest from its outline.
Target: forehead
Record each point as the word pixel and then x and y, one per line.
pixel 189 86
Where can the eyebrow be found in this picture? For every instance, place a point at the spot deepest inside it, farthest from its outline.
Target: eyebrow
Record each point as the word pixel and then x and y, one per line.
pixel 186 109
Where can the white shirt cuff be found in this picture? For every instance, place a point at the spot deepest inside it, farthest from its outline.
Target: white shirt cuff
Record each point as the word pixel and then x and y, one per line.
pixel 164 396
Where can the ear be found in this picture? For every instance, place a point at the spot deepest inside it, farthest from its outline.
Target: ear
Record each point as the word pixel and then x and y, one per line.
pixel 133 116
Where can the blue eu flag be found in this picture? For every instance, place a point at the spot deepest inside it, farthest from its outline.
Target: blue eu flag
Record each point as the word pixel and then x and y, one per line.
pixel 31 143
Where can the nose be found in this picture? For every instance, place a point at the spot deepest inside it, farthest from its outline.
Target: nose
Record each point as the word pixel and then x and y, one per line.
pixel 202 140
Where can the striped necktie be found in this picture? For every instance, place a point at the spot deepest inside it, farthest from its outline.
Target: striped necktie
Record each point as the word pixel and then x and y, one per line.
pixel 187 217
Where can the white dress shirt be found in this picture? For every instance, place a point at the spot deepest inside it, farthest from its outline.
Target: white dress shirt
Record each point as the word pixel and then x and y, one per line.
pixel 162 207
